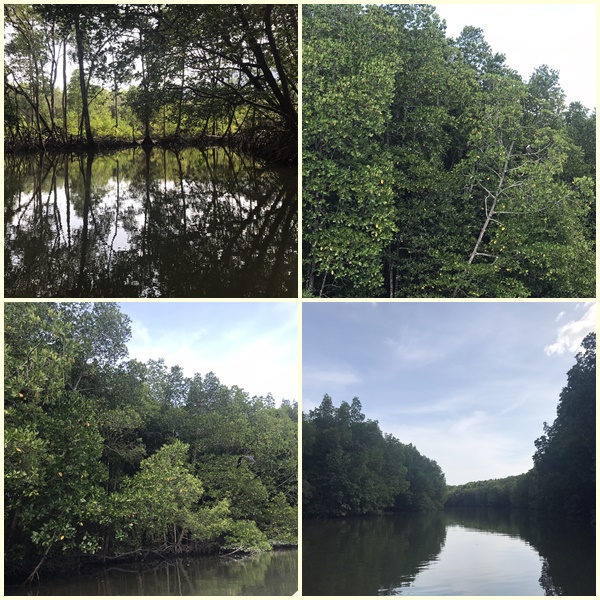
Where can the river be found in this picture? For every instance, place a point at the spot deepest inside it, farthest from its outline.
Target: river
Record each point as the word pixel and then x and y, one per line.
pixel 459 552
pixel 149 223
pixel 266 574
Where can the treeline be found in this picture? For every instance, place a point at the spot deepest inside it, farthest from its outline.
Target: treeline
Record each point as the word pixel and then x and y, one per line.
pixel 349 467
pixel 508 492
pixel 432 169
pixel 151 70
pixel 563 477
pixel 106 457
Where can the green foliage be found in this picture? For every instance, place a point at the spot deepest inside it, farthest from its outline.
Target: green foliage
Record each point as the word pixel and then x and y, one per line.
pixel 565 460
pixel 563 478
pixel 350 467
pixel 417 178
pixel 36 366
pixel 149 70
pixel 245 535
pixel 160 498
pixel 348 174
pixel 501 493
pixel 106 456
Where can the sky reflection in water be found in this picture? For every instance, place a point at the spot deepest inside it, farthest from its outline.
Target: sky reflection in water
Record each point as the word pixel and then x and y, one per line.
pixel 162 224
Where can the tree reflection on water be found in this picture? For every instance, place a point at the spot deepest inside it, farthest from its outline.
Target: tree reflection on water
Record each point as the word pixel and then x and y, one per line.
pixel 156 223
pixel 415 553
pixel 264 574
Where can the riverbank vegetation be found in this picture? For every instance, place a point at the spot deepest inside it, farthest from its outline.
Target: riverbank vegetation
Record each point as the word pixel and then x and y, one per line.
pixel 432 169
pixel 106 458
pixel 563 477
pixel 351 468
pixel 88 76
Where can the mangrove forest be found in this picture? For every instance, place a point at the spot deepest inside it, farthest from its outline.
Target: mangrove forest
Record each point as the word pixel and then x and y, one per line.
pixel 351 468
pixel 100 75
pixel 431 168
pixel 151 150
pixel 109 459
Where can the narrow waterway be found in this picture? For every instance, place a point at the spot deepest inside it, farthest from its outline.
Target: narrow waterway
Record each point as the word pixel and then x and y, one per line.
pixel 461 552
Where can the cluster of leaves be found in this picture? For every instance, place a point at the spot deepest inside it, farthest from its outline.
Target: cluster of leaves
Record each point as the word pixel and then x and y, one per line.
pixel 149 70
pixel 431 169
pixel 350 468
pixel 104 456
pixel 563 477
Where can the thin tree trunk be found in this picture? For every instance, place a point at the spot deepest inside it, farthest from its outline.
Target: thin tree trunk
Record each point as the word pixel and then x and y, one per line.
pixel 116 94
pixel 489 213
pixel 84 95
pixel 53 77
pixel 147 139
pixel 180 108
pixel 64 98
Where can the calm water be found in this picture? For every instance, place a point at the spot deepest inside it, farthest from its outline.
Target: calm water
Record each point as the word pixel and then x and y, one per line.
pixel 466 552
pixel 266 574
pixel 160 223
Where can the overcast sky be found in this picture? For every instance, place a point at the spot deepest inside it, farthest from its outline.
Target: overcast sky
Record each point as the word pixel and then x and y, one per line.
pixel 253 345
pixel 563 36
pixel 469 384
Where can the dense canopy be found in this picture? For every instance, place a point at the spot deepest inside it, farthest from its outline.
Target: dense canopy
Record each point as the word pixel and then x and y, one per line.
pixel 349 467
pixel 105 457
pixel 432 169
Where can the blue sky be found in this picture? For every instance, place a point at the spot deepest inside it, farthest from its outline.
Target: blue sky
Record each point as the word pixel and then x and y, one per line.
pixel 563 36
pixel 253 345
pixel 469 384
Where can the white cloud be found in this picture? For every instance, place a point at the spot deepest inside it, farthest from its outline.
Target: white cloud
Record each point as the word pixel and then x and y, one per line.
pixel 474 454
pixel 451 403
pixel 510 408
pixel 570 335
pixel 331 376
pixel 175 348
pixel 262 366
pixel 411 350
pixel 140 332
pixel 560 315
pixel 257 359
pixel 466 425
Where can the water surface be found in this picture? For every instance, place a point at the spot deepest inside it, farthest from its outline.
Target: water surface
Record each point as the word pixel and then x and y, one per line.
pixel 265 574
pixel 156 223
pixel 461 552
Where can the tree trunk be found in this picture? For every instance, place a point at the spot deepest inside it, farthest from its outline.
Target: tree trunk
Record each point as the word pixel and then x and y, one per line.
pixel 147 141
pixel 64 98
pixel 180 107
pixel 490 212
pixel 84 96
pixel 116 94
